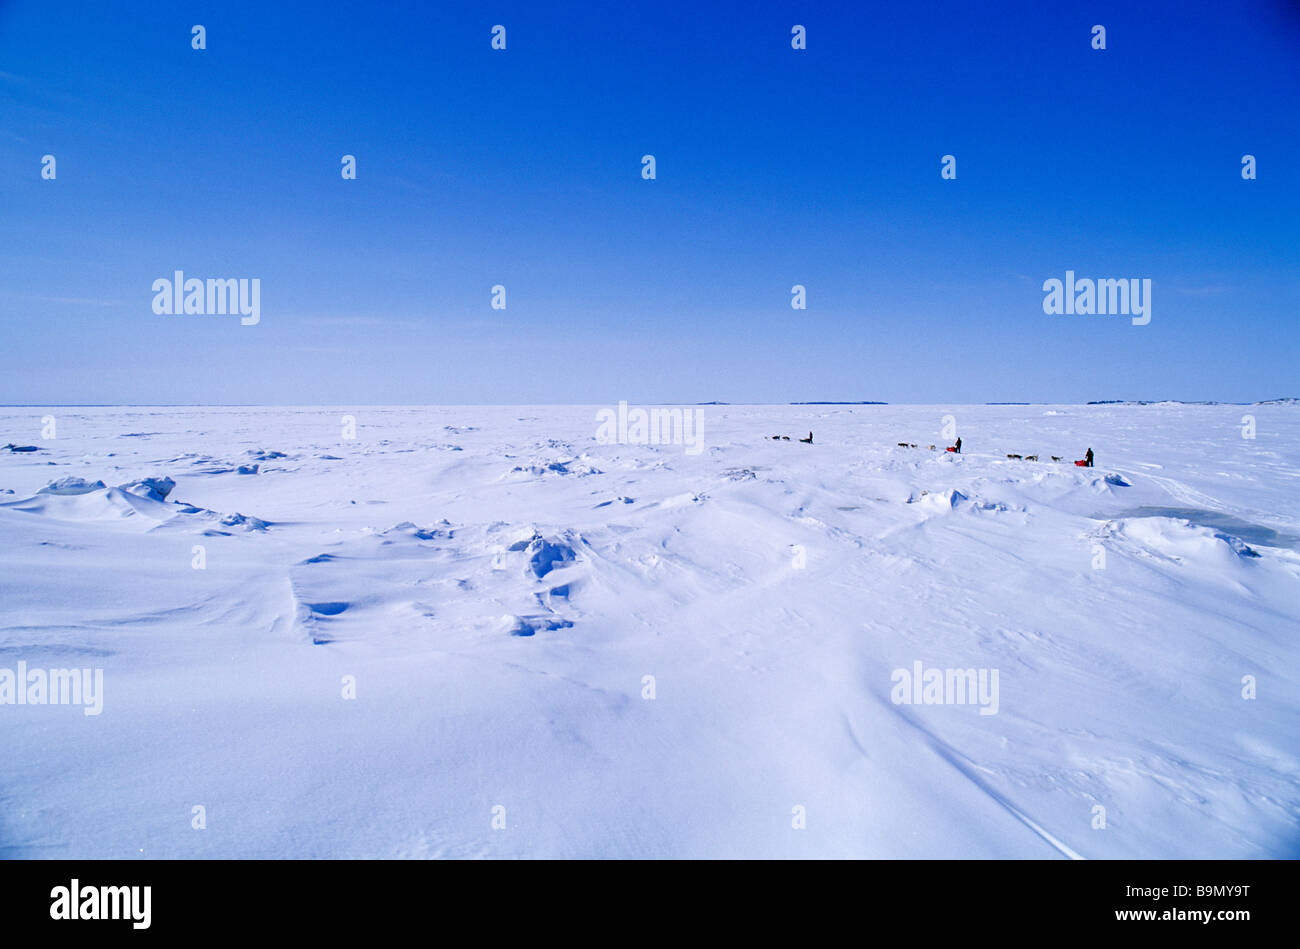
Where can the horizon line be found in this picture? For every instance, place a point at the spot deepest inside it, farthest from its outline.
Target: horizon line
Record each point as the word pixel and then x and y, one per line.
pixel 331 405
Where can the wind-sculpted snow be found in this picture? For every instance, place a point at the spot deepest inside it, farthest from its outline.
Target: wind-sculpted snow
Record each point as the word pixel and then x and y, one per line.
pixel 638 650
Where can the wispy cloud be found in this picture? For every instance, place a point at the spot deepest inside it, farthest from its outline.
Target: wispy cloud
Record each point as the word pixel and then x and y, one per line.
pixel 1207 291
pixel 359 321
pixel 76 301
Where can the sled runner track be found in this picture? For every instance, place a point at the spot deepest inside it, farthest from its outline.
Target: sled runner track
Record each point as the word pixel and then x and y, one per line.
pixel 967 768
pixel 1181 493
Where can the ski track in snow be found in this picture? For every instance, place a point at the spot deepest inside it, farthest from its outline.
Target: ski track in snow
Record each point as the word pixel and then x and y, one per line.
pixel 970 771
pixel 499 585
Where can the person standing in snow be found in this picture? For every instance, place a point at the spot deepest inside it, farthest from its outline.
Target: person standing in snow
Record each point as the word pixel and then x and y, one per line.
pixel 1088 459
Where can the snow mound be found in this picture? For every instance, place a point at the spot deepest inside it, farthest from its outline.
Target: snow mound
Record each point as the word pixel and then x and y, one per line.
pixel 944 500
pixel 954 500
pixel 409 530
pixel 1106 484
pixel 1181 541
pixel 244 521
pixel 75 499
pixel 71 485
pixel 155 489
pixel 538 469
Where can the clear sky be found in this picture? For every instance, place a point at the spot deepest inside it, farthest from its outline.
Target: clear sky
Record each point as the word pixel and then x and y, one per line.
pixel 522 167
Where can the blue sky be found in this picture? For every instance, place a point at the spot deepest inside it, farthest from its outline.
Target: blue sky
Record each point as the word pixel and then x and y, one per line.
pixel 522 167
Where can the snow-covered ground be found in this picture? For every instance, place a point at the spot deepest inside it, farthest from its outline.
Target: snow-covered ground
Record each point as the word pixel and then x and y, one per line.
pixel 500 586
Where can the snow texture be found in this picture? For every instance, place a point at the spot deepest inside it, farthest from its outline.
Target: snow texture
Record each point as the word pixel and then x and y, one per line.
pixel 502 587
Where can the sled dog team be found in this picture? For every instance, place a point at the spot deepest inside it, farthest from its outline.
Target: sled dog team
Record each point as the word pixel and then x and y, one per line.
pixel 1084 462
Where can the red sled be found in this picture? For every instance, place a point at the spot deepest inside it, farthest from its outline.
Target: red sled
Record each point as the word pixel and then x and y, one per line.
pixel 951 449
pixel 1082 464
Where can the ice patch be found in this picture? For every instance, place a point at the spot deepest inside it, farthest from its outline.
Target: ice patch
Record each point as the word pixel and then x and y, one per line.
pixel 739 474
pixel 1225 523
pixel 330 608
pixel 545 555
pixel 531 625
